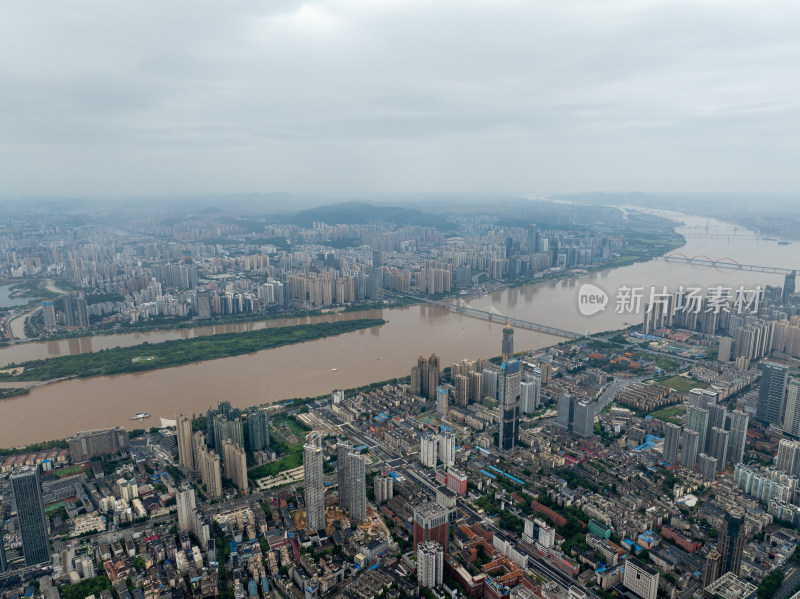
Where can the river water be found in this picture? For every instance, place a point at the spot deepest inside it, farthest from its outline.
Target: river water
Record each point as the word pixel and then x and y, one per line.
pixel 361 357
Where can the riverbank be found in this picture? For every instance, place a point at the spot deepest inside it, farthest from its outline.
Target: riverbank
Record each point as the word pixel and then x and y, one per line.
pixel 147 356
pixel 648 238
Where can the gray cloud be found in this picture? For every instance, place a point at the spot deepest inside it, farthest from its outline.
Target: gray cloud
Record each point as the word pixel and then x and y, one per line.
pixel 391 95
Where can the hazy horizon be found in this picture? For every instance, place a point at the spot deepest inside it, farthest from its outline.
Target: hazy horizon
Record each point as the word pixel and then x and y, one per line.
pixel 348 98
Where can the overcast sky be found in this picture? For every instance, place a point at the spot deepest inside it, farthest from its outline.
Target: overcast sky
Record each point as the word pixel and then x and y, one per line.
pixel 168 97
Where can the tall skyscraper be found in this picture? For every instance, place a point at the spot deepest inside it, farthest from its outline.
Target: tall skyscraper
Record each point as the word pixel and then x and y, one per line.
pixel 228 426
pixel 509 404
pixel 565 409
pixel 431 522
pixel 711 569
pixel 258 428
pixel 314 481
pixel 208 463
pixel 689 447
pixel 737 424
pixel 183 429
pixel 27 488
pixel 530 392
pixel 430 564
pixel 425 376
pixel 791 417
pixel 235 464
pixel 672 439
pixel 731 543
pixel 771 392
pixel 717 416
pixel 429 450
pixel 697 420
pixel 707 466
pixel 343 449
pixel 357 493
pixel 718 445
pixel 788 457
pixel 583 418
pixel 186 507
pixel 443 397
pixel 508 342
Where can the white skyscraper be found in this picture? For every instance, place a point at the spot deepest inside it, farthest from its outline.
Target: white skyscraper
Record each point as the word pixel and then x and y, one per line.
pixel 430 564
pixel 447 449
pixel 530 393
pixel 429 450
pixel 791 417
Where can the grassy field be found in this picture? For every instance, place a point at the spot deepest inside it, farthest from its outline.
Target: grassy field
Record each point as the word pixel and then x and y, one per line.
pixel 669 414
pixel 70 470
pixel 167 354
pixel 681 384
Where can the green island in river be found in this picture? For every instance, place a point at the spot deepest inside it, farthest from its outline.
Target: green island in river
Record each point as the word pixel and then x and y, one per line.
pixel 154 356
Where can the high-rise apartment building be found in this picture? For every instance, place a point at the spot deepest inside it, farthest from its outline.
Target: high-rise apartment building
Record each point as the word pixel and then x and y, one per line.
pixel 26 486
pixel 718 445
pixel 208 463
pixel 228 426
pixel 672 439
pixel 475 387
pixel 383 486
pixel 640 579
pixel 431 522
pixel 771 392
pixel 257 429
pixel 314 481
pixel 343 449
pixel 697 420
pixel 711 569
pixel 425 376
pixel 690 445
pixel 186 507
pixel 788 457
pixel 791 417
pixel 443 397
pixel 461 382
pixel 235 464
pixel 731 543
pixel 183 430
pixel 707 466
pixel 564 410
pixel 583 418
pixel 430 564
pixel 429 450
pixel 737 424
pixel 357 492
pixel 530 391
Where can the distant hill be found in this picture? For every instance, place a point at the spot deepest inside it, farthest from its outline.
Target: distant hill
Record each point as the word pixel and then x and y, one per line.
pixel 361 213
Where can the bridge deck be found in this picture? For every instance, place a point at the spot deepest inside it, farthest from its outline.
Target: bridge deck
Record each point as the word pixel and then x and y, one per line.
pixel 517 322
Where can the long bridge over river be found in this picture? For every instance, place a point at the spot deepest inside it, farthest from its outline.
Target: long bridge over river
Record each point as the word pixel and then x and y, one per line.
pixel 492 317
